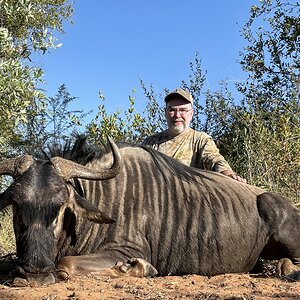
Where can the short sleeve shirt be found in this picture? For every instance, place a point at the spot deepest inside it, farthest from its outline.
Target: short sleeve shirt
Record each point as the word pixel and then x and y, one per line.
pixel 193 148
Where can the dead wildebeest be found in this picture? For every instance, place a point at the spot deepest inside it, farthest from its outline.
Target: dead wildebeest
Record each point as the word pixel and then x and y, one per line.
pixel 159 217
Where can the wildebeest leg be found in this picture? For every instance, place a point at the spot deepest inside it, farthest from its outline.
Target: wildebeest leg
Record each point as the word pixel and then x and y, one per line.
pixel 283 220
pixel 135 267
pixel 103 265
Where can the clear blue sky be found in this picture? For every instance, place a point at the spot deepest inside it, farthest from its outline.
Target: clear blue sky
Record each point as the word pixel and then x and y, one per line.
pixel 114 43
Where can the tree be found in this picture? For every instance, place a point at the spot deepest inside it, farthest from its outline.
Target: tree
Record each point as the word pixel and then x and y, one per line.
pixel 195 86
pixel 134 126
pixel 128 126
pixel 272 58
pixel 261 135
pixel 26 27
pixel 272 91
pixel 50 122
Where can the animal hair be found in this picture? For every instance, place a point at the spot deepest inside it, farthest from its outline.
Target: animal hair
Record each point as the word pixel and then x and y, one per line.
pixel 77 150
pixel 82 152
pixel 162 161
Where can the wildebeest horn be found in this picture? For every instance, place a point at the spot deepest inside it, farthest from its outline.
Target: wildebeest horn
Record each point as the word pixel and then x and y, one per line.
pixel 15 166
pixel 69 169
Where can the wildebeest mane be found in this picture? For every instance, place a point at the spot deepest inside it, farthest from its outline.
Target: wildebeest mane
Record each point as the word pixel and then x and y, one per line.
pixel 162 161
pixel 77 150
pixel 82 152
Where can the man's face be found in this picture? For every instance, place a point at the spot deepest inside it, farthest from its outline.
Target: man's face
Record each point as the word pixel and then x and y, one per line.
pixel 179 114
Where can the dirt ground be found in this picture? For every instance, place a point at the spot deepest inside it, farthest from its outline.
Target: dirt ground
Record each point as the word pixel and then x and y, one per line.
pixel 229 286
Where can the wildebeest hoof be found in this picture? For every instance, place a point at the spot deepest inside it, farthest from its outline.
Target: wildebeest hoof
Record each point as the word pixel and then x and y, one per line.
pixel 19 277
pixel 141 264
pixel 136 267
pixel 63 275
pixel 287 269
pixel 23 278
pixel 34 280
pixel 41 279
pixel 20 282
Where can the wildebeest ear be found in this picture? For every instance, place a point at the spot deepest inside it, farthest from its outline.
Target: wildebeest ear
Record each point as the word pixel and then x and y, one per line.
pixel 89 211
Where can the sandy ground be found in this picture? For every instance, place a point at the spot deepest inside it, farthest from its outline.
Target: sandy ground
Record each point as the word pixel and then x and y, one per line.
pixel 229 286
pixel 266 285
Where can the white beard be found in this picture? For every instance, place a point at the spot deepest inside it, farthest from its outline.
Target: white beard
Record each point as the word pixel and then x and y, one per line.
pixel 176 129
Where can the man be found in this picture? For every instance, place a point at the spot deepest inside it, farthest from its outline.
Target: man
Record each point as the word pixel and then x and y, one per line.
pixel 181 142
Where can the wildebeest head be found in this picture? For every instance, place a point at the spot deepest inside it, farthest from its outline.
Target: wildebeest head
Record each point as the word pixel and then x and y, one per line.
pixel 40 195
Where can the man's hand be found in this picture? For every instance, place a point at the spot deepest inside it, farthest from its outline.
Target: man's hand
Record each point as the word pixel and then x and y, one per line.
pixel 234 176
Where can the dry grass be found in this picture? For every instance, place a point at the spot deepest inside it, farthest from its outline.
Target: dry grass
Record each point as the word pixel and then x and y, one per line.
pixel 7 237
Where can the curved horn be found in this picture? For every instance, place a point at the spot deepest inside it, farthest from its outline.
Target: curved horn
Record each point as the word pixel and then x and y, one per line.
pixel 69 169
pixel 15 166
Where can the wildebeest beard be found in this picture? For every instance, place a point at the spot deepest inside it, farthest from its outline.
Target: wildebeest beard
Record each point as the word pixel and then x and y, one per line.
pixel 35 250
pixel 35 239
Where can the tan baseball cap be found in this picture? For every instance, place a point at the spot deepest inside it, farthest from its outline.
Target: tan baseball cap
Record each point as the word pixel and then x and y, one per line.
pixel 181 93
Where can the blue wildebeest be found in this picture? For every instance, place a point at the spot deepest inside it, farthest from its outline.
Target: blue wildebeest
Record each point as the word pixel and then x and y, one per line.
pixel 162 217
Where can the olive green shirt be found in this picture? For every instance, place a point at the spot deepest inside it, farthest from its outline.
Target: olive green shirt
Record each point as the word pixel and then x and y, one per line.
pixel 193 148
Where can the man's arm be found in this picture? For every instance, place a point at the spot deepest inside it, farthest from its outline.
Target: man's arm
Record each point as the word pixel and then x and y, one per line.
pixel 213 160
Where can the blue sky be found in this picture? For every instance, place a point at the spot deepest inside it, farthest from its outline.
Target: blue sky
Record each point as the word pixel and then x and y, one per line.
pixel 112 44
